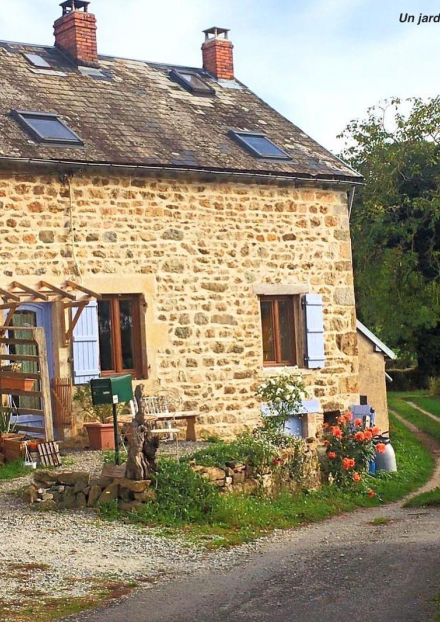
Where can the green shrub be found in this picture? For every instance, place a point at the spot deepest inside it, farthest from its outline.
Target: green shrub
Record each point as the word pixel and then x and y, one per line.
pixel 434 386
pixel 183 496
pixel 258 448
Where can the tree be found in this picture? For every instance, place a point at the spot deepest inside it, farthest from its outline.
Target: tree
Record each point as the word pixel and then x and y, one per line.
pixel 396 225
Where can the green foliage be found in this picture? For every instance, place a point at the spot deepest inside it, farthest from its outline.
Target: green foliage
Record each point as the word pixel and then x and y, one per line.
pixel 430 498
pixel 91 413
pixel 109 456
pixel 258 448
pixel 434 386
pixel 396 224
pixel 11 470
pixel 187 502
pixel 5 423
pixel 283 394
pixel 183 496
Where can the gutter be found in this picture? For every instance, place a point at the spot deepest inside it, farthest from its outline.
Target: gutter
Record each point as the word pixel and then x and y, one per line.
pixel 169 169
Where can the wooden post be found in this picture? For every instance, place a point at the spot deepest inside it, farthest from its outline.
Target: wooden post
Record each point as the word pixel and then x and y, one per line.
pixel 143 445
pixel 46 403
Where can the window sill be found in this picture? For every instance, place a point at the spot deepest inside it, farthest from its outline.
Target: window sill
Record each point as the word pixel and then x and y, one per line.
pixel 272 370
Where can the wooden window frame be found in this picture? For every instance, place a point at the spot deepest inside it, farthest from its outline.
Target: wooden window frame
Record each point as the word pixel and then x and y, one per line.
pixel 138 371
pixel 279 362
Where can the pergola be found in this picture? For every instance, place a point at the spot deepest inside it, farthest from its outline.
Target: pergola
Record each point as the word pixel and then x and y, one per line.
pixel 70 294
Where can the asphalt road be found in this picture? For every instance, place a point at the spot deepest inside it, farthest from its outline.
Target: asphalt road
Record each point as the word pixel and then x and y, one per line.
pixel 345 569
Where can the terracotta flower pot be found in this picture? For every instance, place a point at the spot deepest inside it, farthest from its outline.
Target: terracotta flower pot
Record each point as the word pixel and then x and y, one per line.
pixel 21 384
pixel 101 435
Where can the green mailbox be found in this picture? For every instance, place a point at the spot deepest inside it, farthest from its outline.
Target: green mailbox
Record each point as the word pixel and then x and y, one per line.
pixel 111 390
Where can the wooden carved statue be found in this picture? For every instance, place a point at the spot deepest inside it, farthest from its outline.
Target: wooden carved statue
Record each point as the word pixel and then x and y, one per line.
pixel 143 445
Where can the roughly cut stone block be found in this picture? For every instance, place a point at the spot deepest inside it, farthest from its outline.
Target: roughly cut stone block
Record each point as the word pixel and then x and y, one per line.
pixel 134 485
pixel 81 500
pixel 94 494
pixel 109 494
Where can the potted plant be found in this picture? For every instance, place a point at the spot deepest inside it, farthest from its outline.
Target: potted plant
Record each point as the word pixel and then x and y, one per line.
pixel 97 419
pixel 9 382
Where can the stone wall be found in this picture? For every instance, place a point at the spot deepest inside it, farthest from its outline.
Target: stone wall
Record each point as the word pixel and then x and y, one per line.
pixel 372 382
pixel 195 249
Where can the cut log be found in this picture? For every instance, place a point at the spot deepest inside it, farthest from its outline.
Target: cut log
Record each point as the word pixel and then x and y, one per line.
pixel 143 445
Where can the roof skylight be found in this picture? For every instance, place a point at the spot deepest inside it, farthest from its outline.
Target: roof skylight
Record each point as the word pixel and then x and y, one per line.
pixel 259 145
pixel 192 82
pixel 47 128
pixel 37 61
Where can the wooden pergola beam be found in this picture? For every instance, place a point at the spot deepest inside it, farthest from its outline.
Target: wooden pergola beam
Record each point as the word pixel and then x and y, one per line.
pixel 31 291
pixel 83 289
pixel 74 321
pixel 5 294
pixel 58 290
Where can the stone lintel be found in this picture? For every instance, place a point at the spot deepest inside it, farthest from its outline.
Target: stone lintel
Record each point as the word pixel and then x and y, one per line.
pixel 280 289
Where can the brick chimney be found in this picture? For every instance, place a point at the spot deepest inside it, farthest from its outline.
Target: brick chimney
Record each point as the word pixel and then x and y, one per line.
pixel 218 58
pixel 75 33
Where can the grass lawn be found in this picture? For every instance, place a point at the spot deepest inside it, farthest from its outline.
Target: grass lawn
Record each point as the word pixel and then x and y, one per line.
pixel 11 470
pixel 398 402
pixel 432 497
pixel 233 519
pixel 431 404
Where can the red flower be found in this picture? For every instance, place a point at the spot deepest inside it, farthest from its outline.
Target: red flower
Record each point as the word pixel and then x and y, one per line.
pixel 356 477
pixel 348 417
pixel 336 431
pixel 371 493
pixel 381 448
pixel 358 422
pixel 359 437
pixel 368 435
pixel 348 463
pixel 276 461
pixel 375 430
pixel 331 454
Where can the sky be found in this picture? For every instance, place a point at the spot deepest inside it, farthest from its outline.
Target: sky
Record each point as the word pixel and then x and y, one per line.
pixel 320 63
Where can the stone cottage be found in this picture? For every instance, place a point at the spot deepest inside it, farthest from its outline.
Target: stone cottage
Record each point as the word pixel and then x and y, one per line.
pixel 208 235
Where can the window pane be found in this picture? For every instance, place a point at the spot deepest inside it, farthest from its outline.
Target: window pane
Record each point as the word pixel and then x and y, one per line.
pixel 264 146
pixel 267 328
pixel 105 335
pixel 194 81
pixel 285 323
pixel 37 61
pixel 50 129
pixel 127 341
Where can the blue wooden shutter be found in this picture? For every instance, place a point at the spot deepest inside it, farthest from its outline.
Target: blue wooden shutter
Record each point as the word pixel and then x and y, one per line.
pixel 315 357
pixel 86 345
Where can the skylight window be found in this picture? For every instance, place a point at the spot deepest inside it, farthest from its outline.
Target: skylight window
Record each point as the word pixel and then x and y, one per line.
pixel 37 61
pixel 259 145
pixel 192 82
pixel 47 128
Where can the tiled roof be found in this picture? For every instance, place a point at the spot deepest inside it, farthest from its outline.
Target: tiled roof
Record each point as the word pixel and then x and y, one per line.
pixel 137 115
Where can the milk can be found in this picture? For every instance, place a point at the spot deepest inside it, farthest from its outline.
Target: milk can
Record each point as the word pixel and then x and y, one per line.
pixel 385 461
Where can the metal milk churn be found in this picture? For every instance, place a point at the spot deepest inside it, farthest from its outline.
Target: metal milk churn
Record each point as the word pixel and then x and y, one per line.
pixel 385 461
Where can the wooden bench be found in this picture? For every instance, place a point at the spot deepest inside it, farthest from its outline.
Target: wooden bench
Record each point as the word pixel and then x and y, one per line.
pixel 190 418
